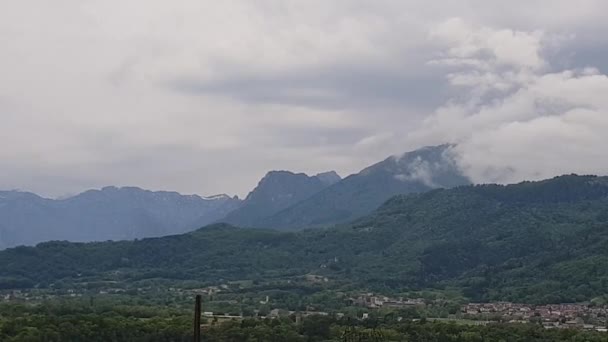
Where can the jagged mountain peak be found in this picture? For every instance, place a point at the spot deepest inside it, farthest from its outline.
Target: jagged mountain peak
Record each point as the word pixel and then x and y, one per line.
pixel 281 175
pixel 280 183
pixel 359 194
pixel 329 177
pixel 276 191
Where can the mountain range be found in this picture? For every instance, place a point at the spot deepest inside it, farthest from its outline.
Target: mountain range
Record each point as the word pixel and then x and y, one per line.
pixel 533 242
pixel 281 200
pixel 107 214
pixel 422 170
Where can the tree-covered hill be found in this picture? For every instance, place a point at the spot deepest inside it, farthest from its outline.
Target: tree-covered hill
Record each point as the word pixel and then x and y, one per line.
pixel 535 242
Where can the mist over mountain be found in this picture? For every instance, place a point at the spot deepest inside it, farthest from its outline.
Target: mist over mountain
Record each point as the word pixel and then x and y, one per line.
pixel 107 214
pixel 359 194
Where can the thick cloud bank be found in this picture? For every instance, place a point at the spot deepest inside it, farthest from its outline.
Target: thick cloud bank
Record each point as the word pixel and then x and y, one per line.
pixel 517 117
pixel 207 96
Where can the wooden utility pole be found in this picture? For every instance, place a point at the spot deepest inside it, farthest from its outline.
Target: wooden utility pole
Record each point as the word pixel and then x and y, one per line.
pixel 197 319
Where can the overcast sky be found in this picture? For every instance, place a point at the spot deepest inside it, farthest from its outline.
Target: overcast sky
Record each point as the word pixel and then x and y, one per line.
pixel 207 96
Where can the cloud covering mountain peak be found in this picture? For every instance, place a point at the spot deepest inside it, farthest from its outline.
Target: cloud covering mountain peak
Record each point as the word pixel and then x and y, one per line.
pixel 517 116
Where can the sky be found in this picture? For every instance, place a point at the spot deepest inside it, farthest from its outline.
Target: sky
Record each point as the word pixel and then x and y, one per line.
pixel 207 96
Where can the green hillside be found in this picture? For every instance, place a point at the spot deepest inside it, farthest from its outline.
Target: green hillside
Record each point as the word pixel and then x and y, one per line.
pixel 535 242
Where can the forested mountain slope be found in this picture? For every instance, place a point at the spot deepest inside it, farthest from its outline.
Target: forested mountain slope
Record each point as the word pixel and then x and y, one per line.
pixel 536 242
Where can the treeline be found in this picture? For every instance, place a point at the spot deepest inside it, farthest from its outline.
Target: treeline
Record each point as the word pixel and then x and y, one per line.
pixel 328 329
pixel 21 324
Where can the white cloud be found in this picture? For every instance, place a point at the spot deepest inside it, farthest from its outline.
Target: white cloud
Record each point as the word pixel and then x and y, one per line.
pixel 421 171
pixel 518 120
pixel 485 48
pixel 205 97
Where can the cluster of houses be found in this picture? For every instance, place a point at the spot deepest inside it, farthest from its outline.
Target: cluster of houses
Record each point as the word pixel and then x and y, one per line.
pixel 372 301
pixel 209 290
pixel 273 314
pixel 551 316
pixel 18 295
pixel 578 316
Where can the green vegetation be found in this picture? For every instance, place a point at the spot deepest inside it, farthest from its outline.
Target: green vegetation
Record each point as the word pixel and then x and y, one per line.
pixel 78 321
pixel 535 242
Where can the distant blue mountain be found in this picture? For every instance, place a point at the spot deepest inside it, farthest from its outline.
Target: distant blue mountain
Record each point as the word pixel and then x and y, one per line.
pixel 107 214
pixel 281 200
